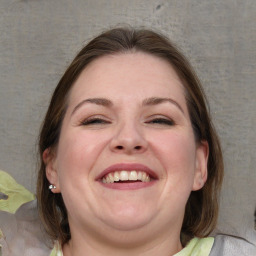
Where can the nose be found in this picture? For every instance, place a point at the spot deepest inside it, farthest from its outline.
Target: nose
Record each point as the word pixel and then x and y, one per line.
pixel 128 139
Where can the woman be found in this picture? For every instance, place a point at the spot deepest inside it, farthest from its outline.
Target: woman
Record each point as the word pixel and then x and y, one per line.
pixel 130 161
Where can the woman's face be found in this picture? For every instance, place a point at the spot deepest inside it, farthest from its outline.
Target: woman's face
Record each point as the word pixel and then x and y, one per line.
pixel 127 157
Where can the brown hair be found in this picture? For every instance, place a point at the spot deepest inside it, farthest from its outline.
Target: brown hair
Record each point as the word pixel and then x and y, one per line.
pixel 202 207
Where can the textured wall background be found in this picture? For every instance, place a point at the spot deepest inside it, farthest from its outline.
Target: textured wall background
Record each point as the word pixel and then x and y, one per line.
pixel 39 38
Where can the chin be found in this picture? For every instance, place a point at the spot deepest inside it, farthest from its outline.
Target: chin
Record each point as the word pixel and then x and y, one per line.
pixel 128 219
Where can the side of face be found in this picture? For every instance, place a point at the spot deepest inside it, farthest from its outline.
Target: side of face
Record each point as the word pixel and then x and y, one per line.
pixel 127 111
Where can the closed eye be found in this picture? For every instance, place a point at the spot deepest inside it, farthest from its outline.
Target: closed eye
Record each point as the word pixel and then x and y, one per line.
pixel 161 121
pixel 94 121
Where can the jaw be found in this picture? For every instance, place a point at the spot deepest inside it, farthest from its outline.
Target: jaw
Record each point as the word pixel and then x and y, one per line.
pixel 127 218
pixel 127 205
pixel 128 223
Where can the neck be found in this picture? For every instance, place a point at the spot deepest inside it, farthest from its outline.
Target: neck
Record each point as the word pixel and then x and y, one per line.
pixel 126 243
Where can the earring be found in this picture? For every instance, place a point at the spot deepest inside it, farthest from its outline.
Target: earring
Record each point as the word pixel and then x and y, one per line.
pixel 52 187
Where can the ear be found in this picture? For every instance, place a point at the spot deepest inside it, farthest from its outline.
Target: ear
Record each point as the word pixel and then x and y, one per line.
pixel 200 177
pixel 49 158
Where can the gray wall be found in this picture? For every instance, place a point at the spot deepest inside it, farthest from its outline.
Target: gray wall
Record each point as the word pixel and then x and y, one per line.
pixel 39 38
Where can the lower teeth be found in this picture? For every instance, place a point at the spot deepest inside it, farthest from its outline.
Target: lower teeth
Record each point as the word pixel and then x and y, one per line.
pixel 127 181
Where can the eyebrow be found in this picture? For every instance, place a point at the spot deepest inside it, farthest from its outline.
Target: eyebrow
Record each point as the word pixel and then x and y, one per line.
pixel 157 100
pixel 146 102
pixel 98 101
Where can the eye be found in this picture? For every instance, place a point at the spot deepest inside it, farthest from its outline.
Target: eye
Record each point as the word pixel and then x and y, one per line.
pixel 94 121
pixel 161 121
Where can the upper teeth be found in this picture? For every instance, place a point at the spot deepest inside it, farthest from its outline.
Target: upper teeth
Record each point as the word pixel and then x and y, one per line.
pixel 126 175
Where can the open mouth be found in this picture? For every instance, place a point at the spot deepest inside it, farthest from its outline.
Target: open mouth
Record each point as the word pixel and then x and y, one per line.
pixel 126 177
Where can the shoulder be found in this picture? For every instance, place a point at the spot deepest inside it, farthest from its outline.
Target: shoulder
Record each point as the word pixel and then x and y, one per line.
pixel 57 251
pixel 228 245
pixel 197 247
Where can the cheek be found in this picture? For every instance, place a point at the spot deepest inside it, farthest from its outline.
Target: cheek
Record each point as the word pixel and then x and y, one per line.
pixel 176 152
pixel 78 152
pixel 177 155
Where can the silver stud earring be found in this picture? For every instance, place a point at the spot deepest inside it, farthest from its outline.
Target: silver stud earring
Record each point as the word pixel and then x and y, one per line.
pixel 52 187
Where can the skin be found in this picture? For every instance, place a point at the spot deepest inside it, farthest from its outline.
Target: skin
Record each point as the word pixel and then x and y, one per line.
pixel 145 221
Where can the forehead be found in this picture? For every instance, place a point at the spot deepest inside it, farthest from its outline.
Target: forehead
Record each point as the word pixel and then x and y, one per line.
pixel 131 75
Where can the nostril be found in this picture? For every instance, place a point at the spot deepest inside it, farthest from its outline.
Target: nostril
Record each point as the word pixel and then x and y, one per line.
pixel 121 147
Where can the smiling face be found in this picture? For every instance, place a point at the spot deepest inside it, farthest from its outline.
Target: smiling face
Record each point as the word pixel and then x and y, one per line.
pixel 127 157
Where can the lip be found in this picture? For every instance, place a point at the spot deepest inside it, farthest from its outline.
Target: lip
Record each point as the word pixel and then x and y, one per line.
pixel 128 167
